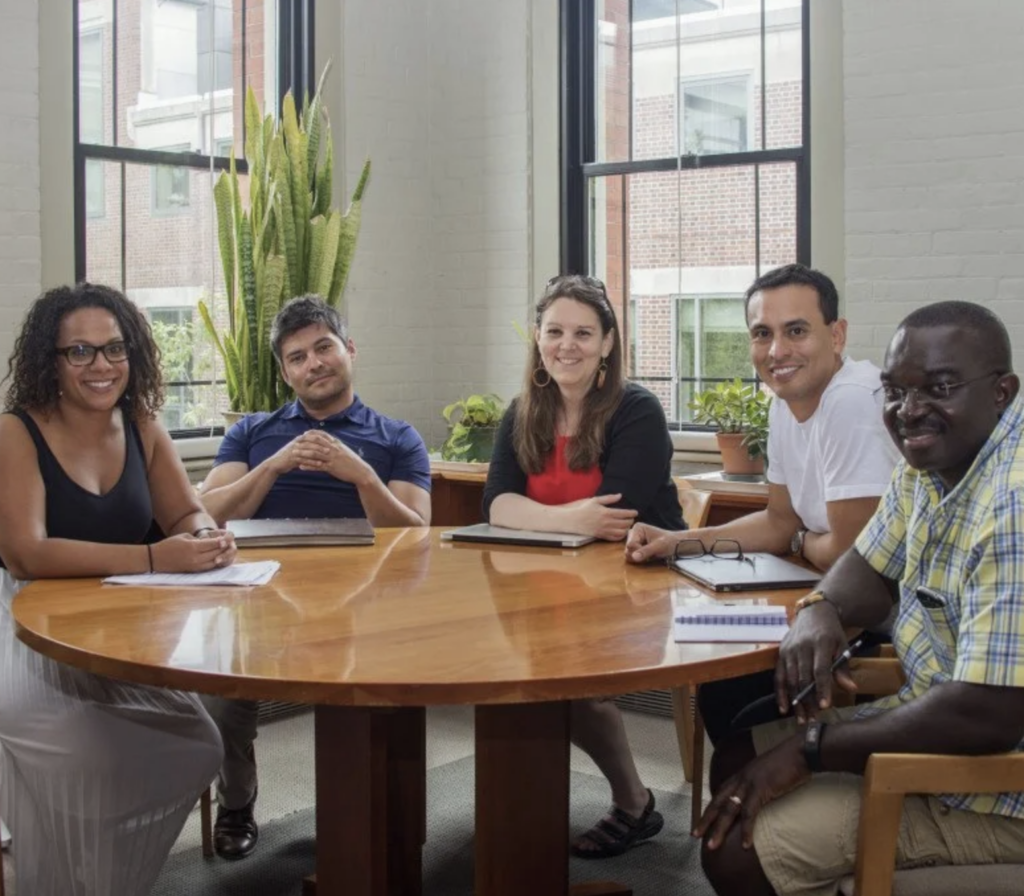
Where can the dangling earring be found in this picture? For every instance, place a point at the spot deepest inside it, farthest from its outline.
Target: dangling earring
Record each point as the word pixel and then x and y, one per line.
pixel 547 377
pixel 602 372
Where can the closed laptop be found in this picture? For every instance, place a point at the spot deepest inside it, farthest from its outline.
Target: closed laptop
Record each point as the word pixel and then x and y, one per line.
pixel 300 532
pixel 484 532
pixel 750 572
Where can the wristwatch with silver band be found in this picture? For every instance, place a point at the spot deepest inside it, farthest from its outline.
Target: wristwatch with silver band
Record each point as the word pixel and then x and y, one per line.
pixel 796 543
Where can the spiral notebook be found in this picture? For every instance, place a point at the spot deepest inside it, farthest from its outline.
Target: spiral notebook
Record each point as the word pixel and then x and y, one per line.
pixel 720 623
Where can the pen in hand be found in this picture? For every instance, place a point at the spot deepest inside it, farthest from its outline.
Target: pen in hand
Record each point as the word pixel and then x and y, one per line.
pixel 842 658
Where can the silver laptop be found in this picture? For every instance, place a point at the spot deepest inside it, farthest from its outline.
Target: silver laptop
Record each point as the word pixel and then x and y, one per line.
pixel 754 572
pixel 484 532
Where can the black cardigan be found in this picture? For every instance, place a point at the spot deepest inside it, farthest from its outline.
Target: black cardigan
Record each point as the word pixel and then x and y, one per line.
pixel 636 461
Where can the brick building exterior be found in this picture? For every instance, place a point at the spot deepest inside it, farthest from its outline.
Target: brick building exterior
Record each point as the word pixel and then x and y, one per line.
pixel 179 87
pixel 680 247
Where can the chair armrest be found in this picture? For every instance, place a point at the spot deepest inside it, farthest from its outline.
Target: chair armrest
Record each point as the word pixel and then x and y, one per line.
pixel 891 775
pixel 920 773
pixel 877 676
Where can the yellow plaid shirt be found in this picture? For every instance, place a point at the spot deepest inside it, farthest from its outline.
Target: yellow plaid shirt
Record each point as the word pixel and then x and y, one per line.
pixel 965 548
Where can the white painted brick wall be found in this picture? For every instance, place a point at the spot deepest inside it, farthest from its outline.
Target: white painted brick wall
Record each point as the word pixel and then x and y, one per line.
pixel 20 252
pixel 934 170
pixel 438 95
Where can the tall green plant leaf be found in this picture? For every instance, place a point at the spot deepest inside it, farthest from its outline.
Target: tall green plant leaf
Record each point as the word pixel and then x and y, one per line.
pixel 322 276
pixel 295 144
pixel 226 238
pixel 324 178
pixel 247 269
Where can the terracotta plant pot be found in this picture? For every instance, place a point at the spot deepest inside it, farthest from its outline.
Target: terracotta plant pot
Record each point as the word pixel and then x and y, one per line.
pixel 735 458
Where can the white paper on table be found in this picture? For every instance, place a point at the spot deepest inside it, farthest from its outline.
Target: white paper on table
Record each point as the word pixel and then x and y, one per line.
pixel 724 623
pixel 238 574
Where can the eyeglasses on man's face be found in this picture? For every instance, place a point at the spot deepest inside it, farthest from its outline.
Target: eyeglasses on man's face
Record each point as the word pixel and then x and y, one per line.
pixel 930 393
pixel 82 354
pixel 723 548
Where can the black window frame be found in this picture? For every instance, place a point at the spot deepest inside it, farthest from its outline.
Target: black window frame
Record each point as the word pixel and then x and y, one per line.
pixel 578 22
pixel 296 25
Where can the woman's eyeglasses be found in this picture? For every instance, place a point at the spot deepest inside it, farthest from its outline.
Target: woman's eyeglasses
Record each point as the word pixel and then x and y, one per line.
pixel 82 355
pixel 722 548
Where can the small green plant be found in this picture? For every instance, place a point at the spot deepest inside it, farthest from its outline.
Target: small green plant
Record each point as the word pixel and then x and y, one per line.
pixel 735 407
pixel 472 424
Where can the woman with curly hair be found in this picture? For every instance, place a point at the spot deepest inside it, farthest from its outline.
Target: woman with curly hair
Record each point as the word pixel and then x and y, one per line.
pixel 98 775
pixel 583 451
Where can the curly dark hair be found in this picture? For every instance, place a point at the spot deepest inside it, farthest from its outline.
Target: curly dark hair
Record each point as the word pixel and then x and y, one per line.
pixel 32 367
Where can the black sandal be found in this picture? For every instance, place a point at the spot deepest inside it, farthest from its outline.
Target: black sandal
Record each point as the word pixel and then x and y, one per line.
pixel 619 831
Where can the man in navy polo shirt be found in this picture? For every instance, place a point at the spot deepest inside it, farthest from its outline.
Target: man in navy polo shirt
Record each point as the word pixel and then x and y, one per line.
pixel 326 454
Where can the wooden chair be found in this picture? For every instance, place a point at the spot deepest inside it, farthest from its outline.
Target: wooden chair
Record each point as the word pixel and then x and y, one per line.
pixel 889 777
pixel 696 504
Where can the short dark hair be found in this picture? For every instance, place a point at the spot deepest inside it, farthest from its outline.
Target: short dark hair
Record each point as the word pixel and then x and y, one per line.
pixel 801 275
pixel 32 366
pixel 976 319
pixel 301 312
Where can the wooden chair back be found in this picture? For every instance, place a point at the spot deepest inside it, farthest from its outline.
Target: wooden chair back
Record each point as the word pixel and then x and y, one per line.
pixel 695 503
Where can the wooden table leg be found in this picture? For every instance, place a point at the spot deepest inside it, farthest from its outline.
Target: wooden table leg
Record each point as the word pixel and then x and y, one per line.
pixel 522 802
pixel 370 801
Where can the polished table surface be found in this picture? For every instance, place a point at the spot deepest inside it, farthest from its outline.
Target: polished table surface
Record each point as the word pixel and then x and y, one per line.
pixel 409 622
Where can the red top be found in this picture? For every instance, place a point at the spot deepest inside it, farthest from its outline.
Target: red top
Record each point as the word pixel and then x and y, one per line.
pixel 560 485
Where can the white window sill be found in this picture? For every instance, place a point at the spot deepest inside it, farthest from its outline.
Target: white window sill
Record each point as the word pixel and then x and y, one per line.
pixel 700 447
pixel 197 449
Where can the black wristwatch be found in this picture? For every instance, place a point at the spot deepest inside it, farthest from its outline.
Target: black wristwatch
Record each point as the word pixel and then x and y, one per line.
pixel 812 745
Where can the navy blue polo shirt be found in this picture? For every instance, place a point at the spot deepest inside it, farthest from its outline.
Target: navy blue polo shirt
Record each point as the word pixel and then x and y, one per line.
pixel 392 447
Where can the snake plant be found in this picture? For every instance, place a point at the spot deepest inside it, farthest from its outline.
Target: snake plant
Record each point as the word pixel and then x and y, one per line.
pixel 286 241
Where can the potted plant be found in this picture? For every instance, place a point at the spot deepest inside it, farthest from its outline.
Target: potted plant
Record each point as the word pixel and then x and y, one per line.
pixel 740 412
pixel 286 241
pixel 472 424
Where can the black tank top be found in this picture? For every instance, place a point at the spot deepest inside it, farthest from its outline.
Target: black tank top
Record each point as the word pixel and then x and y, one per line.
pixel 124 515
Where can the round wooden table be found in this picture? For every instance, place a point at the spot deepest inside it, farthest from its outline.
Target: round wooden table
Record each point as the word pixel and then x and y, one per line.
pixel 371 636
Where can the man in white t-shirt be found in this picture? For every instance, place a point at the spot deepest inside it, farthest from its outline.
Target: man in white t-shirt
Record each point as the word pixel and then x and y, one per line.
pixel 829 455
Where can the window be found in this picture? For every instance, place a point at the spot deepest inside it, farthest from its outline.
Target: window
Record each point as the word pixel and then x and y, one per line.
pixel 90 116
pixel 714 115
pixel 213 47
pixel 173 332
pixel 685 173
pixel 170 187
pixel 160 89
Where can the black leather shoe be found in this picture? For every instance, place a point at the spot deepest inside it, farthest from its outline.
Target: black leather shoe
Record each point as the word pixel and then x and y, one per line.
pixel 235 832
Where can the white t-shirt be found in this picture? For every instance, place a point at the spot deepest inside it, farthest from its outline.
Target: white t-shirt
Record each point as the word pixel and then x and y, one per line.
pixel 842 451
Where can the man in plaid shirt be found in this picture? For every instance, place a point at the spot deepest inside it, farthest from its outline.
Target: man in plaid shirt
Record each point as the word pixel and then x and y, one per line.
pixel 947 544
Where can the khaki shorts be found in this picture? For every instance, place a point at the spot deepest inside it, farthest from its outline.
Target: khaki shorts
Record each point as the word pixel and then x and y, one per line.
pixel 807 840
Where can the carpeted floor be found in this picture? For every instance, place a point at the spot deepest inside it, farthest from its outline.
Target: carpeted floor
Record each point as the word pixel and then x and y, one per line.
pixel 668 864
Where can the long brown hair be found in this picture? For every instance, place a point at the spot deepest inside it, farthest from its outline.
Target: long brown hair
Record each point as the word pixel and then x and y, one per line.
pixel 533 435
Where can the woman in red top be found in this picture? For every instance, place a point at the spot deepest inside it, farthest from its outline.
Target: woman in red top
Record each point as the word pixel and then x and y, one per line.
pixel 583 451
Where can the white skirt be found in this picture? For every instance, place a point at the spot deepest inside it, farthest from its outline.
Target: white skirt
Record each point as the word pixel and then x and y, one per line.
pixel 97 776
